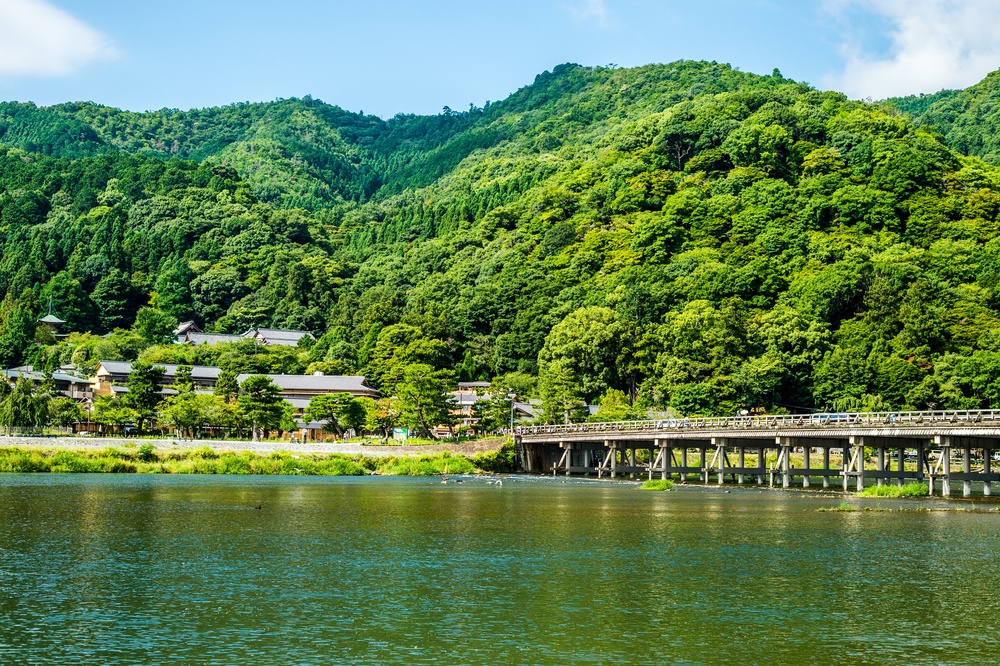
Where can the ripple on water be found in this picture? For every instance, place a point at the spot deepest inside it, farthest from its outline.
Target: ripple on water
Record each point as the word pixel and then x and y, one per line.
pixel 120 570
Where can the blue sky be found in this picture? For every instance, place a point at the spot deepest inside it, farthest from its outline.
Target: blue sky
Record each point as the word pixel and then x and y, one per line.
pixel 416 57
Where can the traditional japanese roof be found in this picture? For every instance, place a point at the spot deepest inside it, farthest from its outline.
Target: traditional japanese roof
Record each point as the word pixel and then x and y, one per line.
pixel 169 369
pixel 319 384
pixel 186 327
pixel 51 319
pixel 277 336
pixel 473 385
pixel 209 338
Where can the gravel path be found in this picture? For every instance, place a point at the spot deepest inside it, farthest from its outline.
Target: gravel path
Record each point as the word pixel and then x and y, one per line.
pixel 468 448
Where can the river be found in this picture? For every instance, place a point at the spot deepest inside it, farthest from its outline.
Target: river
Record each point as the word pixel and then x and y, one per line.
pixel 124 569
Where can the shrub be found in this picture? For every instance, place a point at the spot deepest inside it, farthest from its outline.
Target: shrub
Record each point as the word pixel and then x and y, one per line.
pixel 502 460
pixel 909 490
pixel 657 484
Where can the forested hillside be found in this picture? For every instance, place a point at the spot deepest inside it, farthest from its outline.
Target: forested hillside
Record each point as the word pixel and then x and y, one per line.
pixel 968 119
pixel 684 236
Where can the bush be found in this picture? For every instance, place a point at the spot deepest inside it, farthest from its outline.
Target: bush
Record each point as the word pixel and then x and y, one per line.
pixel 657 484
pixel 147 453
pixel 909 490
pixel 426 465
pixel 501 461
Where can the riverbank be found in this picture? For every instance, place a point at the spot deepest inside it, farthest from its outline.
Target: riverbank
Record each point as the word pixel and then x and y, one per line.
pixel 159 457
pixel 467 448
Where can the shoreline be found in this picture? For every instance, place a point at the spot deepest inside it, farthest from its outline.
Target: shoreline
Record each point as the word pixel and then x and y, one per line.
pixel 471 447
pixel 131 456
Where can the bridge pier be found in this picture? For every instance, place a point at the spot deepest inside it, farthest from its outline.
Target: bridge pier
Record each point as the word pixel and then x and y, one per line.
pixel 826 467
pixel 987 482
pixel 805 465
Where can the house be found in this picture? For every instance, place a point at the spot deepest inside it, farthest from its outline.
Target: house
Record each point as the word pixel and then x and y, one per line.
pixel 66 384
pixel 300 389
pixel 469 393
pixel 189 333
pixel 185 328
pixel 111 376
pixel 192 338
pixel 274 336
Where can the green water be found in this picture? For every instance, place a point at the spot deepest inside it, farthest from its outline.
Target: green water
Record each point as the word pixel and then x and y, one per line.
pixel 122 569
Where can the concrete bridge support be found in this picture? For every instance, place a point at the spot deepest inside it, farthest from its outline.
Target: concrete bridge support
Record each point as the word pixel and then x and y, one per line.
pixel 968 448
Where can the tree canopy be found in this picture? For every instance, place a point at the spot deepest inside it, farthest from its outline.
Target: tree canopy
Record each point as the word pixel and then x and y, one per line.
pixel 694 237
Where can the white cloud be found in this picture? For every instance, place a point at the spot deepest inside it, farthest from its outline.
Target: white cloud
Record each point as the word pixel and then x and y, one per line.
pixel 933 44
pixel 38 39
pixel 591 11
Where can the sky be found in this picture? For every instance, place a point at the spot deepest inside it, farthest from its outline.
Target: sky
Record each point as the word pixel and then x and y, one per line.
pixel 412 56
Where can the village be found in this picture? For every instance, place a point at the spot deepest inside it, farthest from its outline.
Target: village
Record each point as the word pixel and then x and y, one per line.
pixel 312 407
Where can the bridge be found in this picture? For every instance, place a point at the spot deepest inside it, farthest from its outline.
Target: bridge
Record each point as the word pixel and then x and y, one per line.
pixel 936 447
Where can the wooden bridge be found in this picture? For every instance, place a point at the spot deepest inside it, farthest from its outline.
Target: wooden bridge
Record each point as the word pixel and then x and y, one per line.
pixel 936 447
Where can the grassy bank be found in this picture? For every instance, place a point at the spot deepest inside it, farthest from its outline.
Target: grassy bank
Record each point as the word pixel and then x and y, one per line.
pixel 908 490
pixel 145 459
pixel 657 484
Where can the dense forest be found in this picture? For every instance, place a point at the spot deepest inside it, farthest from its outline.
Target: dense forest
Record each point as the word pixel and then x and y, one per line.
pixel 683 236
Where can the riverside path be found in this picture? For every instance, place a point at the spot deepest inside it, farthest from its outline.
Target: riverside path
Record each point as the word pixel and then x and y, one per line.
pixel 936 447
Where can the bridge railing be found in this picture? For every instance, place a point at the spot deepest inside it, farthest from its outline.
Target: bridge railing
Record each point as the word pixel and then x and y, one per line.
pixel 776 422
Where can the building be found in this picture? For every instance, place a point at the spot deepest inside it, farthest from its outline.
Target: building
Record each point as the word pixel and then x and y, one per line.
pixel 470 393
pixel 189 333
pixel 111 376
pixel 298 390
pixel 275 336
pixel 183 329
pixel 193 338
pixel 52 322
pixel 66 383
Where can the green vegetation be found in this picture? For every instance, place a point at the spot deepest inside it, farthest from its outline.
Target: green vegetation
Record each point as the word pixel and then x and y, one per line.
pixel 966 119
pixel 147 460
pixel 681 237
pixel 657 484
pixel 425 465
pixel 503 460
pixel 843 507
pixel 907 490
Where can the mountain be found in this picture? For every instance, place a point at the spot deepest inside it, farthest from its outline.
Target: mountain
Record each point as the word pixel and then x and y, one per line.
pixel 968 119
pixel 685 235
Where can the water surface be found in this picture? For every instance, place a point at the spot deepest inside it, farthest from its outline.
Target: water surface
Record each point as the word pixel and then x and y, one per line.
pixel 121 569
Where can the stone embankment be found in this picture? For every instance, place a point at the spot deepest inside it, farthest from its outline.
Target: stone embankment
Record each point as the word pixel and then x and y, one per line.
pixel 49 443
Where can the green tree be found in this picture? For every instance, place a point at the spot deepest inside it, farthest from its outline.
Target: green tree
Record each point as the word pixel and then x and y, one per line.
pixel 66 412
pixel 226 386
pixel 155 326
pixel 261 404
pixel 115 299
pixel 586 343
pixel 111 411
pixel 560 393
pixel 144 392
pixel 17 328
pixel 188 412
pixel 22 409
pixel 381 415
pixel 182 379
pixel 424 401
pixel 341 411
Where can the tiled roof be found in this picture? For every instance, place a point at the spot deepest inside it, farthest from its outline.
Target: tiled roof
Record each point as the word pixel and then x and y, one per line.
pixel 324 383
pixel 169 369
pixel 211 338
